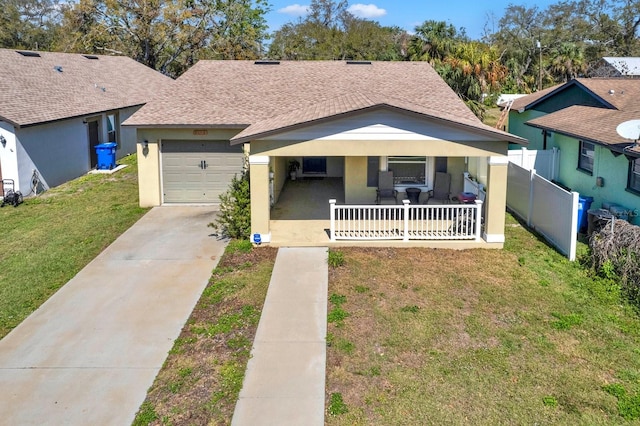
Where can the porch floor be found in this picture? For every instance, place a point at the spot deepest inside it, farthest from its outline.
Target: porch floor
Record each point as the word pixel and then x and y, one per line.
pixel 301 218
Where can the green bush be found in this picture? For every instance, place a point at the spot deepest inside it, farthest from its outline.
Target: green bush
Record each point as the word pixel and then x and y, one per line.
pixel 234 218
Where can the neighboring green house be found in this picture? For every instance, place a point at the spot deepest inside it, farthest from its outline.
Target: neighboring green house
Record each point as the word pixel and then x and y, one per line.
pixel 580 118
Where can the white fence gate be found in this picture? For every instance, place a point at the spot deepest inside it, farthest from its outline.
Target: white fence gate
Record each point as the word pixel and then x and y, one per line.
pixel 547 208
pixel 546 163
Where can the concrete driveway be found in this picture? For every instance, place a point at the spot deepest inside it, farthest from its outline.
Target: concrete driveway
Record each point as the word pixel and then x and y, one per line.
pixel 89 354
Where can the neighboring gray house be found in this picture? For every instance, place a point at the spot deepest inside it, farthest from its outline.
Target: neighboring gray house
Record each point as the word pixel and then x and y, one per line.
pixel 55 107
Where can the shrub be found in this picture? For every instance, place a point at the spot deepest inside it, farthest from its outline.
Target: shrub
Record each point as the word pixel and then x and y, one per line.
pixel 234 218
pixel 614 252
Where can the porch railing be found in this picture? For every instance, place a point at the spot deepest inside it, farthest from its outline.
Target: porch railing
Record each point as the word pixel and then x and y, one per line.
pixel 406 222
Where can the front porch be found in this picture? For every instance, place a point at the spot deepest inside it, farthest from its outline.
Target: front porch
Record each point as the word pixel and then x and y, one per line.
pixel 302 217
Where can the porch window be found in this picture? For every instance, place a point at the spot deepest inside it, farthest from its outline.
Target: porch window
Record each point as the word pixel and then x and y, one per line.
pixel 585 162
pixel 634 175
pixel 408 170
pixel 112 128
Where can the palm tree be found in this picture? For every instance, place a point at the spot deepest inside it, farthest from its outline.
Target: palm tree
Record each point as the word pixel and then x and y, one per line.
pixel 568 62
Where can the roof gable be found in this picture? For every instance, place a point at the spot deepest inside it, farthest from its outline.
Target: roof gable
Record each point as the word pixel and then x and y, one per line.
pixel 37 87
pixel 241 93
pixel 353 104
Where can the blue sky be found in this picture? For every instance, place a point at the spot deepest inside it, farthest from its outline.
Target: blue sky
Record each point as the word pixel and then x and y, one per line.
pixel 407 14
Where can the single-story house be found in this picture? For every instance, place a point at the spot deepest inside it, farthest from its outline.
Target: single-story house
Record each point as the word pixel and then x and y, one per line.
pixel 341 121
pixel 56 107
pixel 580 119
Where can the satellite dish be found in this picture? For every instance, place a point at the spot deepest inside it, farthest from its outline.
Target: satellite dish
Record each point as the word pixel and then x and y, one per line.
pixel 629 129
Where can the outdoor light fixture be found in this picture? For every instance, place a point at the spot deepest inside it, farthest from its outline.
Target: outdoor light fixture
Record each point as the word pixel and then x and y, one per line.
pixel 145 144
pixel 3 141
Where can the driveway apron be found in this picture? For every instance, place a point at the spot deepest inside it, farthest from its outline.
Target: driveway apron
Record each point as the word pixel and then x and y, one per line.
pixel 89 354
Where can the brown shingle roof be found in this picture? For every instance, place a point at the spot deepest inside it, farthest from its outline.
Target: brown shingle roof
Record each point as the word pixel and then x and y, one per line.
pixel 275 96
pixel 588 123
pixel 54 86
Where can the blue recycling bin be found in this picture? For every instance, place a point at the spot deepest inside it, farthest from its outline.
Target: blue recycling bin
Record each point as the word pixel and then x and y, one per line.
pixel 106 155
pixel 584 204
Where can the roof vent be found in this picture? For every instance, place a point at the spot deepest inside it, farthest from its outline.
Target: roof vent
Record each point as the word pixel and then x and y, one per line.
pixel 91 56
pixel 28 53
pixel 58 68
pixel 358 62
pixel 267 63
pixel 612 92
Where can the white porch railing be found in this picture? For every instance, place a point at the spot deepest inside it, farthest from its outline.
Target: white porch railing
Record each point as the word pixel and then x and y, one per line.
pixel 405 222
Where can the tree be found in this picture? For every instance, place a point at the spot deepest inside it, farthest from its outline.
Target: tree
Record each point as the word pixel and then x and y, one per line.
pixel 167 35
pixel 331 32
pixel 28 24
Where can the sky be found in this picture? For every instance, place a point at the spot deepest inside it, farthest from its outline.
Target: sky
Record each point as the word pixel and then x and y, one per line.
pixel 407 14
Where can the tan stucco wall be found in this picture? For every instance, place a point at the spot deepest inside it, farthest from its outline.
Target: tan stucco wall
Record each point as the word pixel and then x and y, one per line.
pixel 260 203
pixel 279 167
pixel 149 179
pixel 496 199
pixel 355 182
pixel 346 148
pixel 456 167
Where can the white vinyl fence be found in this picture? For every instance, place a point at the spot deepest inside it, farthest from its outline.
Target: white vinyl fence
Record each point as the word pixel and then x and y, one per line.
pixel 547 208
pixel 546 163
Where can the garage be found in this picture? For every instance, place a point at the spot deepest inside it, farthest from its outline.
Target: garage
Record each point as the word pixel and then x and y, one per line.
pixel 198 171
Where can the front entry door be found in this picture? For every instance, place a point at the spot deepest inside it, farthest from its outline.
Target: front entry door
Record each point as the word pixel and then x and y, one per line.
pixel 94 136
pixel 314 165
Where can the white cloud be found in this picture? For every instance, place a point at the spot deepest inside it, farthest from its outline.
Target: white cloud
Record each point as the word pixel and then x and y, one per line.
pixel 367 10
pixel 295 10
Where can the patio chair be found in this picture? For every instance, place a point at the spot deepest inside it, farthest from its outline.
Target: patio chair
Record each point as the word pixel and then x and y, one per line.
pixel 385 188
pixel 441 192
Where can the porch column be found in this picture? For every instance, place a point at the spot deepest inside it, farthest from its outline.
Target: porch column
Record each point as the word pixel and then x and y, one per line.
pixel 260 203
pixel 496 200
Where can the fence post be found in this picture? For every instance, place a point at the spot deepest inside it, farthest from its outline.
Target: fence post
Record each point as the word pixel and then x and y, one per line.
pixel 524 160
pixel 332 226
pixel 478 219
pixel 406 206
pixel 532 175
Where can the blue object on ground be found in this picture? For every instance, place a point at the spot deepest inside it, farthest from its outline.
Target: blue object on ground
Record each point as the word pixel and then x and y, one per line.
pixel 584 204
pixel 106 155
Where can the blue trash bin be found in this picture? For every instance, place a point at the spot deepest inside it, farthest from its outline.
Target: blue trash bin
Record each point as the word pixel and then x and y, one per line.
pixel 106 155
pixel 584 204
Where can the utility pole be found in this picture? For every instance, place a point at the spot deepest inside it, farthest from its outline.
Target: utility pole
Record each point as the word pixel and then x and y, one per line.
pixel 539 46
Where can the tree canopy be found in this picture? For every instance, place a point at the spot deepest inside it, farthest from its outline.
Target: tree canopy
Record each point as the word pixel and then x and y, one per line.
pixel 525 49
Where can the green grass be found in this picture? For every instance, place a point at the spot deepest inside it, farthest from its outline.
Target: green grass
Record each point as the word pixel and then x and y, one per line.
pixel 513 336
pixel 46 240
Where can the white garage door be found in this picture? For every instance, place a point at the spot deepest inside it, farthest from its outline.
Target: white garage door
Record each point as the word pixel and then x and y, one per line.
pixel 198 171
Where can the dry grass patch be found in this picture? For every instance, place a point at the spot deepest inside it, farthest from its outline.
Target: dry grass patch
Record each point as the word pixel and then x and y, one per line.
pixel 514 336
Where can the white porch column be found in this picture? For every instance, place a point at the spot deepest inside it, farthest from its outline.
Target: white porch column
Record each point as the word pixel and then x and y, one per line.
pixel 260 202
pixel 496 200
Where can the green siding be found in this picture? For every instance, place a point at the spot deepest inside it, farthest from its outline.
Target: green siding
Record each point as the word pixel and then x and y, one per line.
pixel 573 95
pixel 613 169
pixel 517 127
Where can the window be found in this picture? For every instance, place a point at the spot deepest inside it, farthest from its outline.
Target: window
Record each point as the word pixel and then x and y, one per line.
pixel 409 170
pixel 585 162
pixel 634 175
pixel 112 128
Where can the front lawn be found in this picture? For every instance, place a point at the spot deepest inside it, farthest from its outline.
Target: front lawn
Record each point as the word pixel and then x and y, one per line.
pixel 46 240
pixel 517 336
pixel 422 336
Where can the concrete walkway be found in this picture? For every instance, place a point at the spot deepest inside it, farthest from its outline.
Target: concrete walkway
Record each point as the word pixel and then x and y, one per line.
pixel 88 355
pixel 284 381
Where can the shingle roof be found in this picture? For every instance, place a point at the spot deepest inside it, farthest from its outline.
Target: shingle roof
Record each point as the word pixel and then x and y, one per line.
pixel 53 86
pixel 267 97
pixel 592 123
